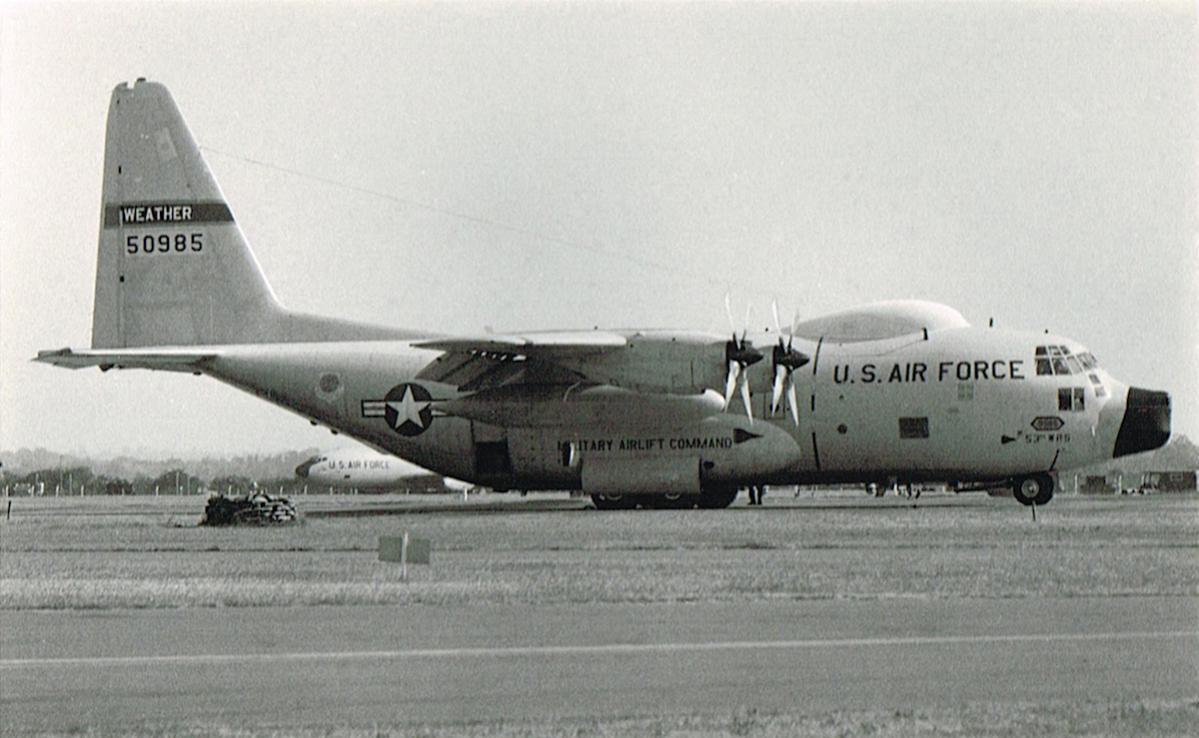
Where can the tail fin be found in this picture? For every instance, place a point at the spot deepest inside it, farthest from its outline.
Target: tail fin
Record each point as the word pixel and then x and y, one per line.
pixel 174 267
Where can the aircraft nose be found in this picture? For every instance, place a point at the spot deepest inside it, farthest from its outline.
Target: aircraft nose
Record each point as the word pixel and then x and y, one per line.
pixel 302 469
pixel 1146 423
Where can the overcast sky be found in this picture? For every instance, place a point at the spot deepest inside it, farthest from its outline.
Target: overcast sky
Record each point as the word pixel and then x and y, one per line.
pixel 547 166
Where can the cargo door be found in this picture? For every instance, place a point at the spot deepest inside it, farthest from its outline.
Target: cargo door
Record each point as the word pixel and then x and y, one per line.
pixel 492 459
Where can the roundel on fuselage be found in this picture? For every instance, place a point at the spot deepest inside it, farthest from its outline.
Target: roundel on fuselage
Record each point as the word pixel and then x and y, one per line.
pixel 406 408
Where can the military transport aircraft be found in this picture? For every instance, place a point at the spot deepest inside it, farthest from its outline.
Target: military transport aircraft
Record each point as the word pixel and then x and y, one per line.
pixel 903 390
pixel 365 469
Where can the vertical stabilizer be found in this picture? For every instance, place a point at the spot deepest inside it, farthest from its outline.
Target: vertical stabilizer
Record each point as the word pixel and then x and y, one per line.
pixel 174 268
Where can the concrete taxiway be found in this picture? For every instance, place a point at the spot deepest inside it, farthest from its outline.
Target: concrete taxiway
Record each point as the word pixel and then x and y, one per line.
pixel 363 666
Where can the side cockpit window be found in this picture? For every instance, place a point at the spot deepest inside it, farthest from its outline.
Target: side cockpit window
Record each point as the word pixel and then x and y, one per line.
pixel 1044 367
pixel 1071 399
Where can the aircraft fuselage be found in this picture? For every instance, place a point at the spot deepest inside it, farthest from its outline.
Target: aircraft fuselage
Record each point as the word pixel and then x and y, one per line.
pixel 960 404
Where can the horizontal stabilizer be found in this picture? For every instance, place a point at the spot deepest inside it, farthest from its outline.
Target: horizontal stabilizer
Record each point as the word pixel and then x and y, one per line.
pixel 160 359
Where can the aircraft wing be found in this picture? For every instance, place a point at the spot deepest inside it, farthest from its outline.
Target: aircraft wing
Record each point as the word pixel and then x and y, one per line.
pixel 648 361
pixel 476 363
pixel 548 345
pixel 182 360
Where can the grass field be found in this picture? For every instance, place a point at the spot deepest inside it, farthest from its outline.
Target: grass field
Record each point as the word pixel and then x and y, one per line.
pixel 1098 718
pixel 149 553
pixel 91 553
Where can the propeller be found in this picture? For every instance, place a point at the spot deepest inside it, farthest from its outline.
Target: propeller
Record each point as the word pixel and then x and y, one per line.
pixel 786 360
pixel 739 355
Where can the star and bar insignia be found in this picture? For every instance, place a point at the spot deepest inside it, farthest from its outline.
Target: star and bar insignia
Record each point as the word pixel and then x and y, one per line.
pixel 406 408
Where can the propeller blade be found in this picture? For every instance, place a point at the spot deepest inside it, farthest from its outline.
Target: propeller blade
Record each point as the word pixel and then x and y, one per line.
pixel 749 308
pixel 776 394
pixel 793 402
pixel 774 310
pixel 745 398
pixel 728 311
pixel 730 384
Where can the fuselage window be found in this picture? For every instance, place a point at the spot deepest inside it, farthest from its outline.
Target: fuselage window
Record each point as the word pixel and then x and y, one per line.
pixel 1071 399
pixel 913 427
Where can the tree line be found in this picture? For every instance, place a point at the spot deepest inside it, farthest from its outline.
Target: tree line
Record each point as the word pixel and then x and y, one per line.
pixel 82 480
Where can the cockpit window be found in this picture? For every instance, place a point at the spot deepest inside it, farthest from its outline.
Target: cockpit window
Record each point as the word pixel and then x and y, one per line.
pixel 1058 360
pixel 1071 399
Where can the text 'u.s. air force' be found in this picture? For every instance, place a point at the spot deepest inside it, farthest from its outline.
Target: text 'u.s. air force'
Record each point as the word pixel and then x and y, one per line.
pixel 919 372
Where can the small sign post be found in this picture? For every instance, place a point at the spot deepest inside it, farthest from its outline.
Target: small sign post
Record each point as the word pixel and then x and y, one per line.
pixel 406 549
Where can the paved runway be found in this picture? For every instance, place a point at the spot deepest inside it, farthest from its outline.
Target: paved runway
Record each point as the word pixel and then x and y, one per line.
pixel 360 666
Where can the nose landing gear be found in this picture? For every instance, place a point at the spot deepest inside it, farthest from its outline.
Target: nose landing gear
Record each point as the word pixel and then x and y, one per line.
pixel 1033 489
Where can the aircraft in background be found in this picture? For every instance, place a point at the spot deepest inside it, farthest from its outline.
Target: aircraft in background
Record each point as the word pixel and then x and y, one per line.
pixel 365 469
pixel 903 390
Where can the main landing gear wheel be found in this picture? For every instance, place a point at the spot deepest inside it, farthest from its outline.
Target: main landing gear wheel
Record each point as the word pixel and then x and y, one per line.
pixel 613 502
pixel 1034 489
pixel 673 502
pixel 717 498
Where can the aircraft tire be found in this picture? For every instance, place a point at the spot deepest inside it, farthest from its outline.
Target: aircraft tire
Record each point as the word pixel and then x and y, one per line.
pixel 1034 489
pixel 671 502
pixel 717 498
pixel 613 502
pixel 1046 493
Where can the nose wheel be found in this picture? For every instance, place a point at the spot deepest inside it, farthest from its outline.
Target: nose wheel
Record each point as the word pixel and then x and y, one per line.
pixel 1034 489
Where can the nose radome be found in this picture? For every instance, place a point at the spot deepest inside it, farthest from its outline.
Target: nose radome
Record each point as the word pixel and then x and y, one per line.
pixel 1146 423
pixel 302 469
